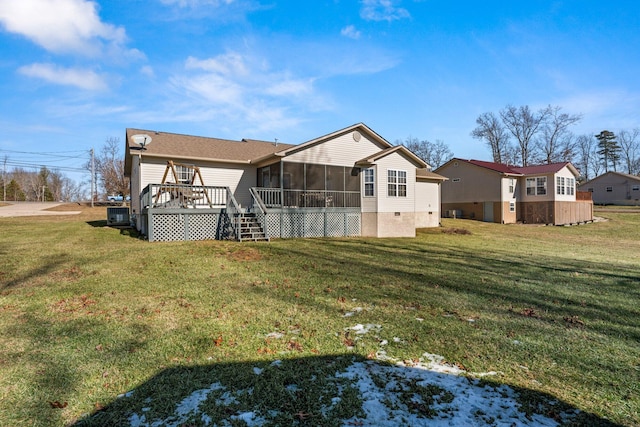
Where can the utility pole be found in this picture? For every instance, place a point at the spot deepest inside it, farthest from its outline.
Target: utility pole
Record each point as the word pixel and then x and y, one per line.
pixel 93 169
pixel 4 180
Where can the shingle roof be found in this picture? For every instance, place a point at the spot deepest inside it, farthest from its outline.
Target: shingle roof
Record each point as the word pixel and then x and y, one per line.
pixel 428 175
pixel 180 146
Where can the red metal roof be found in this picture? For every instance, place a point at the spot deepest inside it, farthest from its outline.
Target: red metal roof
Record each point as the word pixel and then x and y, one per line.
pixel 498 167
pixel 538 169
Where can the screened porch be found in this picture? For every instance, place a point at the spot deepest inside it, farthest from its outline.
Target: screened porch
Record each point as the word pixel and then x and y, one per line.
pixel 308 185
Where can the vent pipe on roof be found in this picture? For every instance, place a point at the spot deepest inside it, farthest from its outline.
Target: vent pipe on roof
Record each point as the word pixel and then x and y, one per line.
pixel 276 142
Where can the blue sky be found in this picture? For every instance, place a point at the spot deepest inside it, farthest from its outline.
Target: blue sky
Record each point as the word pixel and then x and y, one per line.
pixel 76 72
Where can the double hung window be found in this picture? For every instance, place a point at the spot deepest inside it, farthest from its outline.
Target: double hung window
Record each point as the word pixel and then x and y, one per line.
pixel 396 183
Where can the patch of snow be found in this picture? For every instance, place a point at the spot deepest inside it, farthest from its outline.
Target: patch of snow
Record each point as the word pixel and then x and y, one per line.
pixel 257 370
pixel 458 401
pixel 275 335
pixel 361 329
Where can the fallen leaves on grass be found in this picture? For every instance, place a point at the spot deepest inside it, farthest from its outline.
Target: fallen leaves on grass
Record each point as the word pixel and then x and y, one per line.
pixel 574 321
pixel 455 230
pixel 294 345
pixel 58 405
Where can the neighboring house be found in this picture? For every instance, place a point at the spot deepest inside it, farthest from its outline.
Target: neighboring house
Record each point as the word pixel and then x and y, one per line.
pixel 614 188
pixel 495 192
pixel 351 182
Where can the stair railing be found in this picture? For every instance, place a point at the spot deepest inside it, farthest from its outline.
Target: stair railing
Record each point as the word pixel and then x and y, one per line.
pixel 258 207
pixel 233 212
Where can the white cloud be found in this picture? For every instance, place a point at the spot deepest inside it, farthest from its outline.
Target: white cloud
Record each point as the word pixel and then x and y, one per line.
pixel 351 32
pixel 228 64
pixel 382 10
pixel 83 79
pixel 61 26
pixel 147 70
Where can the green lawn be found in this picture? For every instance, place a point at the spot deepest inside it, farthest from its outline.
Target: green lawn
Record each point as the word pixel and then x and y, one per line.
pixel 89 313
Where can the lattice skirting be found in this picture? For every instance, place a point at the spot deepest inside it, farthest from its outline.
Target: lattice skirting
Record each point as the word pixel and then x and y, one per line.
pixel 193 225
pixel 313 224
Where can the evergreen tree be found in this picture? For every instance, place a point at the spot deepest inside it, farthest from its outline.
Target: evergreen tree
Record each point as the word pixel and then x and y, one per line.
pixel 609 151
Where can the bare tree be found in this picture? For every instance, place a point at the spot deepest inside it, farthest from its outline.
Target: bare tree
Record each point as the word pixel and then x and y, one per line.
pixel 524 125
pixel 110 168
pixel 629 142
pixel 440 154
pixel 494 134
pixel 587 147
pixel 434 154
pixel 556 142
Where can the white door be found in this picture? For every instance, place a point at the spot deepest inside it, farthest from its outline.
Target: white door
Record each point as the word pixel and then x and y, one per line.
pixel 488 212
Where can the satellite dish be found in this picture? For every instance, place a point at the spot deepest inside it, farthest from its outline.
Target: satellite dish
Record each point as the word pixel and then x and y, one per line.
pixel 142 140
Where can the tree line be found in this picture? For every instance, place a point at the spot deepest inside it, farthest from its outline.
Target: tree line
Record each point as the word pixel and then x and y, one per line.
pixel 45 185
pixel 20 184
pixel 521 136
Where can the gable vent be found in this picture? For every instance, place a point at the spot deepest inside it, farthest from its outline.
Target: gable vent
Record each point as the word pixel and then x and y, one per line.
pixel 356 136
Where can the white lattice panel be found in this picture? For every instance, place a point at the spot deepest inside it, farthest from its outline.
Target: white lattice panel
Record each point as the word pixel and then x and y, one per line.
pixel 353 224
pixel 272 225
pixel 314 224
pixel 202 226
pixel 167 227
pixel 335 225
pixel 292 225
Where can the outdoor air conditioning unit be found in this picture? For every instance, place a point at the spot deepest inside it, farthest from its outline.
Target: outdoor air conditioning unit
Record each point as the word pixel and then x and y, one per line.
pixel 118 216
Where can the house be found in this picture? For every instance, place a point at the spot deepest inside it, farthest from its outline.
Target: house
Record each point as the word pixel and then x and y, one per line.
pixel 614 188
pixel 351 182
pixel 495 192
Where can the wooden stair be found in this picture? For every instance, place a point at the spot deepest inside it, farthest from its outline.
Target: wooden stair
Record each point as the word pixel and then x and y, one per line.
pixel 249 228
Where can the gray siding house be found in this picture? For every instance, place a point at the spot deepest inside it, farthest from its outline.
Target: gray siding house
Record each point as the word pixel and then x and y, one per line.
pixel 614 188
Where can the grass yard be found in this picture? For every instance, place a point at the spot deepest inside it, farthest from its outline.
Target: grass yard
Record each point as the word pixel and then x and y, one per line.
pixel 98 327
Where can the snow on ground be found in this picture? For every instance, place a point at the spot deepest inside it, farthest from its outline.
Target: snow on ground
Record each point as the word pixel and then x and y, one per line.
pixel 424 392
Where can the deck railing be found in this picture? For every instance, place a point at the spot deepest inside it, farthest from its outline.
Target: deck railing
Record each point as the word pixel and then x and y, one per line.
pixel 583 195
pixel 283 198
pixel 185 196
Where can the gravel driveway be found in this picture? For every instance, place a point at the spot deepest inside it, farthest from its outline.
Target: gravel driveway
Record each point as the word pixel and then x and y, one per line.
pixel 32 209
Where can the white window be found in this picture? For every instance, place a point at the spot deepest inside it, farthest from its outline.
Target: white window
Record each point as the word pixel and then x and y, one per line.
pixel 396 183
pixel 635 188
pixel 541 185
pixel 531 186
pixel 512 206
pixel 185 174
pixel 512 185
pixel 571 186
pixel 609 189
pixel 537 186
pixel 559 185
pixel 369 182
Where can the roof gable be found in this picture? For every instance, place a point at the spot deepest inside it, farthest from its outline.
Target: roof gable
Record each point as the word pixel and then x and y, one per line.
pixel 358 127
pixel 401 149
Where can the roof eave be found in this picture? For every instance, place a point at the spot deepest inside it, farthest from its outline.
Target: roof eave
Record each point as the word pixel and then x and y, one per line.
pixel 190 158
